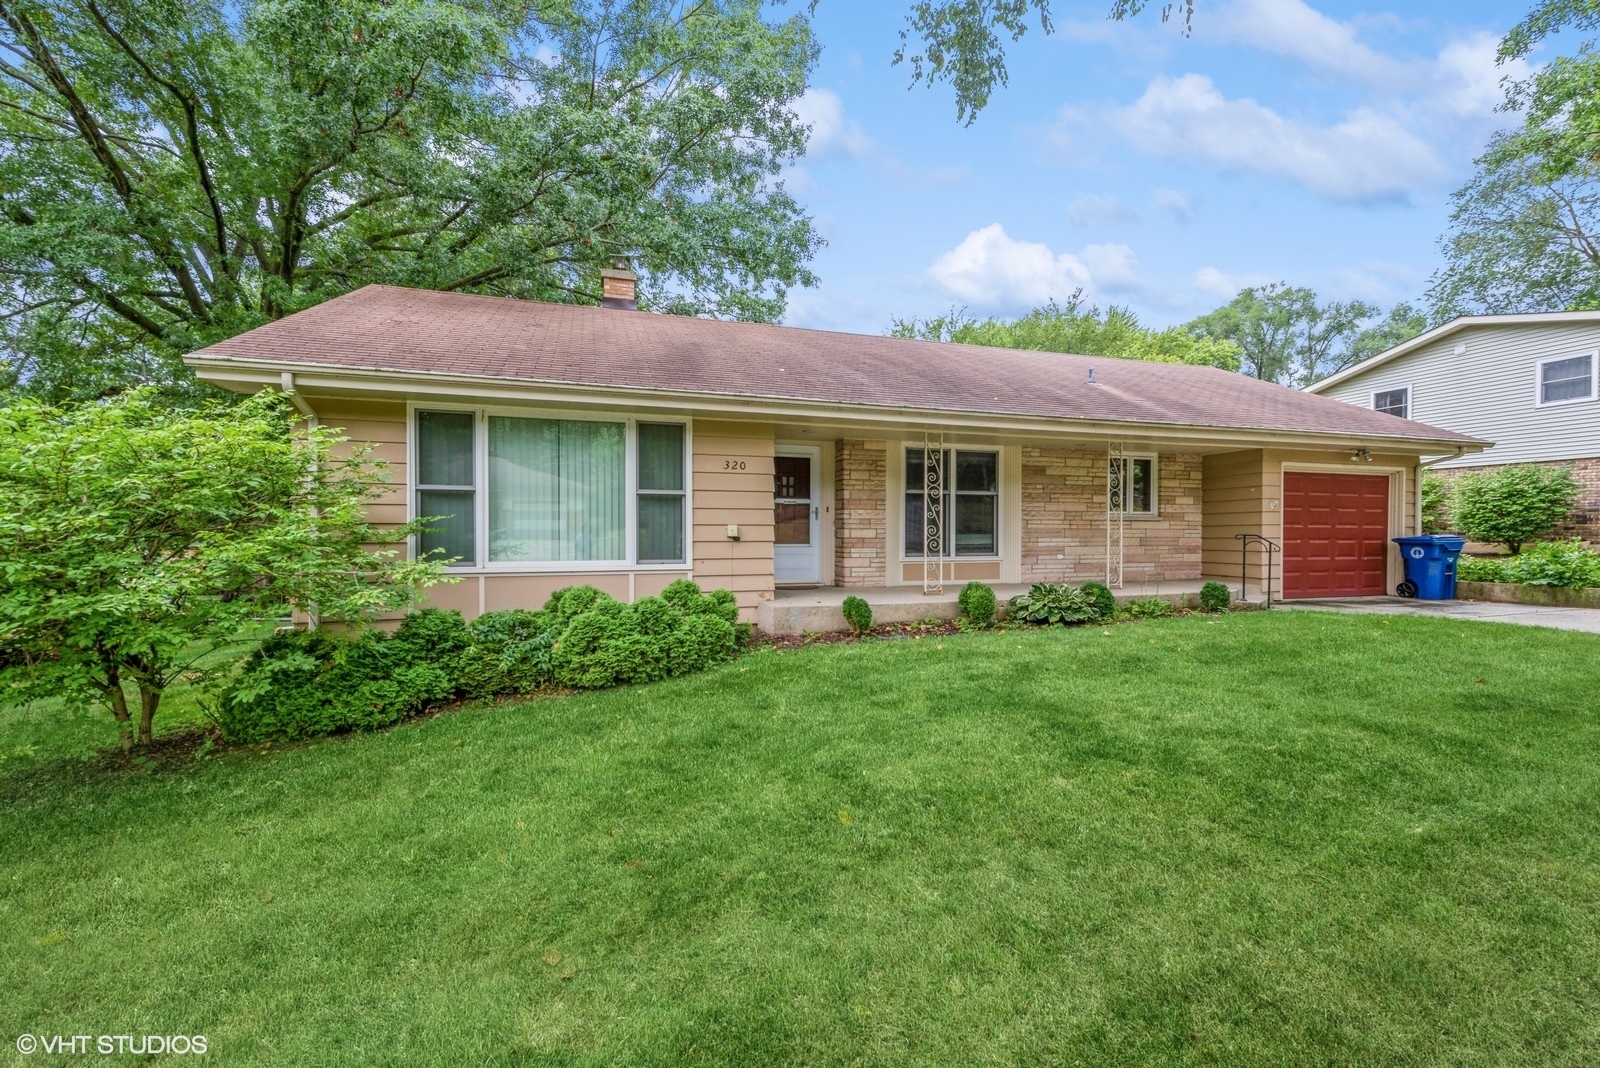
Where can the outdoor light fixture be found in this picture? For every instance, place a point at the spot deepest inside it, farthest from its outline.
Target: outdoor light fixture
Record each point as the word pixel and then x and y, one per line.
pixel 1361 456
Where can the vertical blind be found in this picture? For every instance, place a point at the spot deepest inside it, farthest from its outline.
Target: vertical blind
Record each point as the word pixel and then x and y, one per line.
pixel 557 490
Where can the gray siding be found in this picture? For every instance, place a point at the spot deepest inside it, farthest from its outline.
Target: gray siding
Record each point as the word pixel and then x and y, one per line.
pixel 1489 391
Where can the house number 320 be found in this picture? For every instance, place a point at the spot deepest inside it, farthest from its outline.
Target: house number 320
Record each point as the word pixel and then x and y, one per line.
pixel 733 465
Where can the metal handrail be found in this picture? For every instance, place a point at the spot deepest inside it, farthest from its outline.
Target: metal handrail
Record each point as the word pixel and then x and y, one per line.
pixel 1268 546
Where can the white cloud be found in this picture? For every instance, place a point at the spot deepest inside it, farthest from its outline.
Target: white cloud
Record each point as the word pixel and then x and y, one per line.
pixel 1180 206
pixel 1366 156
pixel 1090 209
pixel 990 269
pixel 1223 286
pixel 833 134
pixel 1295 30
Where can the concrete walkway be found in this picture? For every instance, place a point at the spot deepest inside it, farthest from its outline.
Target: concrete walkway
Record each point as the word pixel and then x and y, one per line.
pixel 1583 619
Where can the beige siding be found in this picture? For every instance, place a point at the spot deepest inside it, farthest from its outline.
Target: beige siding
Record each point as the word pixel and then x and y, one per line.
pixel 742 496
pixel 1243 493
pixel 956 571
pixel 1234 498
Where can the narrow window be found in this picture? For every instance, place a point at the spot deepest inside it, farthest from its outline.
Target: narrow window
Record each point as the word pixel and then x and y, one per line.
pixel 1392 402
pixel 661 493
pixel 446 487
pixel 971 503
pixel 1566 380
pixel 1134 483
pixel 557 490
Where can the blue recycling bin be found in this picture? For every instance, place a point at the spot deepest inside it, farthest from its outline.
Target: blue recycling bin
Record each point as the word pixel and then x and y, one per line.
pixel 1430 566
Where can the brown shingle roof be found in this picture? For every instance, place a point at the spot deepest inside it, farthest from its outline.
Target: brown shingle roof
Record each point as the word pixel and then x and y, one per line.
pixel 384 328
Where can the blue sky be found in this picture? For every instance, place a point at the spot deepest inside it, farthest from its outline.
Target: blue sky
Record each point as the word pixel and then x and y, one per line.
pixel 1316 145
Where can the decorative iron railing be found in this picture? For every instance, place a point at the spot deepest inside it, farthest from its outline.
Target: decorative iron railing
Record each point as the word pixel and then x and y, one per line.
pixel 1267 546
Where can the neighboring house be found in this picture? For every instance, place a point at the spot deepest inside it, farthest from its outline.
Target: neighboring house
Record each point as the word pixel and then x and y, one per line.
pixel 1529 383
pixel 605 445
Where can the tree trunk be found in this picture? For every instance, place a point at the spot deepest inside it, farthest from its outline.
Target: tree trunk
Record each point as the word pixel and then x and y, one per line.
pixel 119 709
pixel 149 701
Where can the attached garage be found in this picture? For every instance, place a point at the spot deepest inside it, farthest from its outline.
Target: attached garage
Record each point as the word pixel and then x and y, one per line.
pixel 1335 534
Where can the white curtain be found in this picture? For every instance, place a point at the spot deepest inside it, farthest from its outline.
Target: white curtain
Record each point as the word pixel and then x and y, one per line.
pixel 557 490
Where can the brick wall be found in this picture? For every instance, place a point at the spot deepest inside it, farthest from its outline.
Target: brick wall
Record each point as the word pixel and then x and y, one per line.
pixel 1064 519
pixel 1584 522
pixel 861 482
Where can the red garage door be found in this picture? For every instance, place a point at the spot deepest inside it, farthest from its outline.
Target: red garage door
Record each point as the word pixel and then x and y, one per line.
pixel 1335 534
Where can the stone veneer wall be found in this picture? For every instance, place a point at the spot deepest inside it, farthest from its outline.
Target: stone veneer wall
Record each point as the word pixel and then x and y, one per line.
pixel 1064 519
pixel 861 482
pixel 1584 522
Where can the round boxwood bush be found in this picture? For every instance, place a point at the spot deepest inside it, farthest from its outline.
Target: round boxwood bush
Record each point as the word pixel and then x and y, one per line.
pixel 1105 602
pixel 857 613
pixel 977 603
pixel 1215 597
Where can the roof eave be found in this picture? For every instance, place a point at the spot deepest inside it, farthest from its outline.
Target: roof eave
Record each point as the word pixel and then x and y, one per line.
pixel 233 370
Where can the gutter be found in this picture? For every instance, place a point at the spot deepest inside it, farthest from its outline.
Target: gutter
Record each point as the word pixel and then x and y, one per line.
pixel 1422 465
pixel 479 388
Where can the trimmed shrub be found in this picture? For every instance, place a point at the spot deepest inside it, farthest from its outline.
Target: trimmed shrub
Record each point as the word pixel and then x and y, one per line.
pixel 303 684
pixel 1513 505
pixel 857 613
pixel 1105 602
pixel 1147 608
pixel 1051 604
pixel 977 604
pixel 1216 597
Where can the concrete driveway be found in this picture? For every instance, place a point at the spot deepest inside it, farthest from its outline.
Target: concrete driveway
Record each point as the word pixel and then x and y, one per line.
pixel 1584 619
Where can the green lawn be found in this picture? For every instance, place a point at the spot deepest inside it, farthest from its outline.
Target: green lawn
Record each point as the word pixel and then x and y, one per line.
pixel 1286 838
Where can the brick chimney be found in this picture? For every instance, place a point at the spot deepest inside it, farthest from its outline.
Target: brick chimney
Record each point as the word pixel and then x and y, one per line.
pixel 619 287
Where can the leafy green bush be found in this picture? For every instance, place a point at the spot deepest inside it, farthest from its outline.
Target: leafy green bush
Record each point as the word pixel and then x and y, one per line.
pixel 1481 569
pixel 1148 608
pixel 303 684
pixel 1216 597
pixel 1547 563
pixel 1053 604
pixel 1105 602
pixel 1435 503
pixel 857 613
pixel 1513 505
pixel 1554 563
pixel 977 604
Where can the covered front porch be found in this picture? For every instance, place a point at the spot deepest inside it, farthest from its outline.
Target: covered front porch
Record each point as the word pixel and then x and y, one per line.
pixel 817 610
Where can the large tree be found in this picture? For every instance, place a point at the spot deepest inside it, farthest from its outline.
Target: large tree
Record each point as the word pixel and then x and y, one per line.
pixel 963 42
pixel 175 171
pixel 1075 327
pixel 1285 334
pixel 1525 231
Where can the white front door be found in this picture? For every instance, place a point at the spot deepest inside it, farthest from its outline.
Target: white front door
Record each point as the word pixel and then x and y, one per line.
pixel 796 511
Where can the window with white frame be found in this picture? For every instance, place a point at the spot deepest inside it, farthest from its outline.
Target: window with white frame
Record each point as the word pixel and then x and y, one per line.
pixel 1570 378
pixel 971 505
pixel 555 491
pixel 447 487
pixel 1137 479
pixel 1393 402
